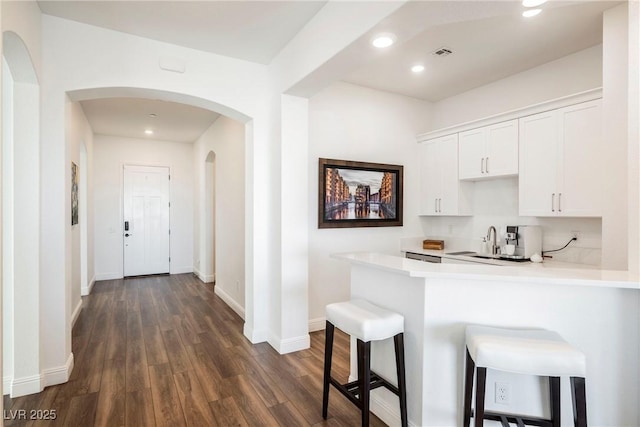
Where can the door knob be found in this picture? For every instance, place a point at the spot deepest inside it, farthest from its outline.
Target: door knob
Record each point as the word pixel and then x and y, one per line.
pixel 127 235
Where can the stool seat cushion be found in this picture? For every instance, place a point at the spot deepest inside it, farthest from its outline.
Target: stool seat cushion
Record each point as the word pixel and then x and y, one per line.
pixel 363 320
pixel 524 351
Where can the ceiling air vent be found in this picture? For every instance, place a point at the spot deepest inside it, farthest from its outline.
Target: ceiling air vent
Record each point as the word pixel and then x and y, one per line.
pixel 442 52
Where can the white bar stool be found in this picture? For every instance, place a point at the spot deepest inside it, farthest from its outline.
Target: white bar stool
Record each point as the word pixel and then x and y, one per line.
pixel 367 322
pixel 523 351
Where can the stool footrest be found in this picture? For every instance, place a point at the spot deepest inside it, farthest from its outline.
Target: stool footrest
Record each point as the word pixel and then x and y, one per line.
pixel 520 420
pixel 351 390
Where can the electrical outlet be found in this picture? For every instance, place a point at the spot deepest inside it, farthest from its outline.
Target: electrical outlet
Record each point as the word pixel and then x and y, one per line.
pixel 575 234
pixel 503 393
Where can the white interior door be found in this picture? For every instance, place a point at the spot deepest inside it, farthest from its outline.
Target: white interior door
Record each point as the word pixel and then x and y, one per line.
pixel 146 220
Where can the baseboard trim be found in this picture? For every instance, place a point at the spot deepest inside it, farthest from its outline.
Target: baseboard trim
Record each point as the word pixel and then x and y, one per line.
pixel 6 384
pixel 317 324
pixel 36 383
pixel 26 385
pixel 108 276
pixel 86 290
pixel 76 313
pixel 233 304
pixel 290 345
pixel 254 336
pixel 205 278
pixel 389 414
pixel 59 374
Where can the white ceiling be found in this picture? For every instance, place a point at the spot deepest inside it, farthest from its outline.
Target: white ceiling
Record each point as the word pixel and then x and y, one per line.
pixel 484 50
pixel 130 117
pixel 251 30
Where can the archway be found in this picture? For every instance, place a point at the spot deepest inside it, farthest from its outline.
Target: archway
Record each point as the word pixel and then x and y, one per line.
pixel 21 223
pixel 209 230
pixel 248 217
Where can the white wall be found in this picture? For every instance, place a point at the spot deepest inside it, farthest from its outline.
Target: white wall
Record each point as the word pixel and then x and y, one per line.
pixel 79 134
pixel 633 155
pixel 87 62
pixel 7 226
pixel 615 225
pixel 23 18
pixel 495 202
pixel 21 48
pixel 1 207
pixel 565 76
pixel 349 122
pixel 111 153
pixel 226 139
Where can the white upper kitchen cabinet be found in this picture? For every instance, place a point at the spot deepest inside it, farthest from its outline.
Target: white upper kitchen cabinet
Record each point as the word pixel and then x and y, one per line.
pixel 489 151
pixel 560 152
pixel 440 192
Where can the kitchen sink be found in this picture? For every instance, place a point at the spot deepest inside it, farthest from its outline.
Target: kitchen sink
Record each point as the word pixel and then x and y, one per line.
pixel 467 253
pixel 471 254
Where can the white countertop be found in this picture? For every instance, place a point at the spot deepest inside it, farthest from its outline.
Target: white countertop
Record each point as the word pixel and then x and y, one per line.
pixel 447 254
pixel 546 272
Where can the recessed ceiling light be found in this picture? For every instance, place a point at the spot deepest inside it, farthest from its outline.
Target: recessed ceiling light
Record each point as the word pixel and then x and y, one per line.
pixel 531 12
pixel 417 68
pixel 153 115
pixel 383 40
pixel 148 132
pixel 533 3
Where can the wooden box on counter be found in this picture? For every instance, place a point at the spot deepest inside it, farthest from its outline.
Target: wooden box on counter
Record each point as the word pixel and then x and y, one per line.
pixel 433 244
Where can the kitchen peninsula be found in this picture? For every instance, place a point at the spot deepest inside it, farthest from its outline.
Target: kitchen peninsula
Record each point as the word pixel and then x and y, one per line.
pixel 598 311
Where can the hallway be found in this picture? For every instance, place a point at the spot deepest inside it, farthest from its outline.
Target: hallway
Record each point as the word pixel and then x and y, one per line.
pixel 166 351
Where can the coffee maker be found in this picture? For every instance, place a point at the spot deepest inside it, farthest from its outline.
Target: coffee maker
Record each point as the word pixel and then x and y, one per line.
pixel 526 238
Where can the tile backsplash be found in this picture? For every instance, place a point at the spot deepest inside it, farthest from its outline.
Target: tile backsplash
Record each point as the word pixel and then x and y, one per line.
pixel 496 203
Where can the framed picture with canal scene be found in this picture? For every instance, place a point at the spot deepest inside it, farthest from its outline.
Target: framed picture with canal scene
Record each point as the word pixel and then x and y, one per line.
pixel 359 194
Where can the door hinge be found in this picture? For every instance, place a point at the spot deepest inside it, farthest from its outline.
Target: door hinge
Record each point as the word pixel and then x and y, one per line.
pixel 169 231
pixel 169 204
pixel 169 177
pixel 169 259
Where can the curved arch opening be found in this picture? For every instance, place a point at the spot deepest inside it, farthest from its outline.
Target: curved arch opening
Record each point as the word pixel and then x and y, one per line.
pixel 135 92
pixel 209 164
pixel 21 219
pixel 209 232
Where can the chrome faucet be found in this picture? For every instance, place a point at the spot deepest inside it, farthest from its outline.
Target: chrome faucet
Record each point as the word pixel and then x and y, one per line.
pixel 493 246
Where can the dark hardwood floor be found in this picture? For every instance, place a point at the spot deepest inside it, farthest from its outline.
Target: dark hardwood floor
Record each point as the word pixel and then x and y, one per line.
pixel 166 351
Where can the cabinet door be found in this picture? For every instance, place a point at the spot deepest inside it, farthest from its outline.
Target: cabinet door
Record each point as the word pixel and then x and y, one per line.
pixel 580 183
pixel 430 178
pixel 538 164
pixel 448 158
pixel 501 149
pixel 471 151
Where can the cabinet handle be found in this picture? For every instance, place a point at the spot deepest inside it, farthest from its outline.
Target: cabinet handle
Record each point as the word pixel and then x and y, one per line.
pixel 486 165
pixel 553 197
pixel 559 202
pixel 435 202
pixel 482 165
pixel 440 205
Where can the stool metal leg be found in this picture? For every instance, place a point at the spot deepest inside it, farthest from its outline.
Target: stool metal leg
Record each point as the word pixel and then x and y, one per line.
pixel 364 378
pixel 328 353
pixel 579 397
pixel 481 383
pixel 468 389
pixel 554 397
pixel 398 342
